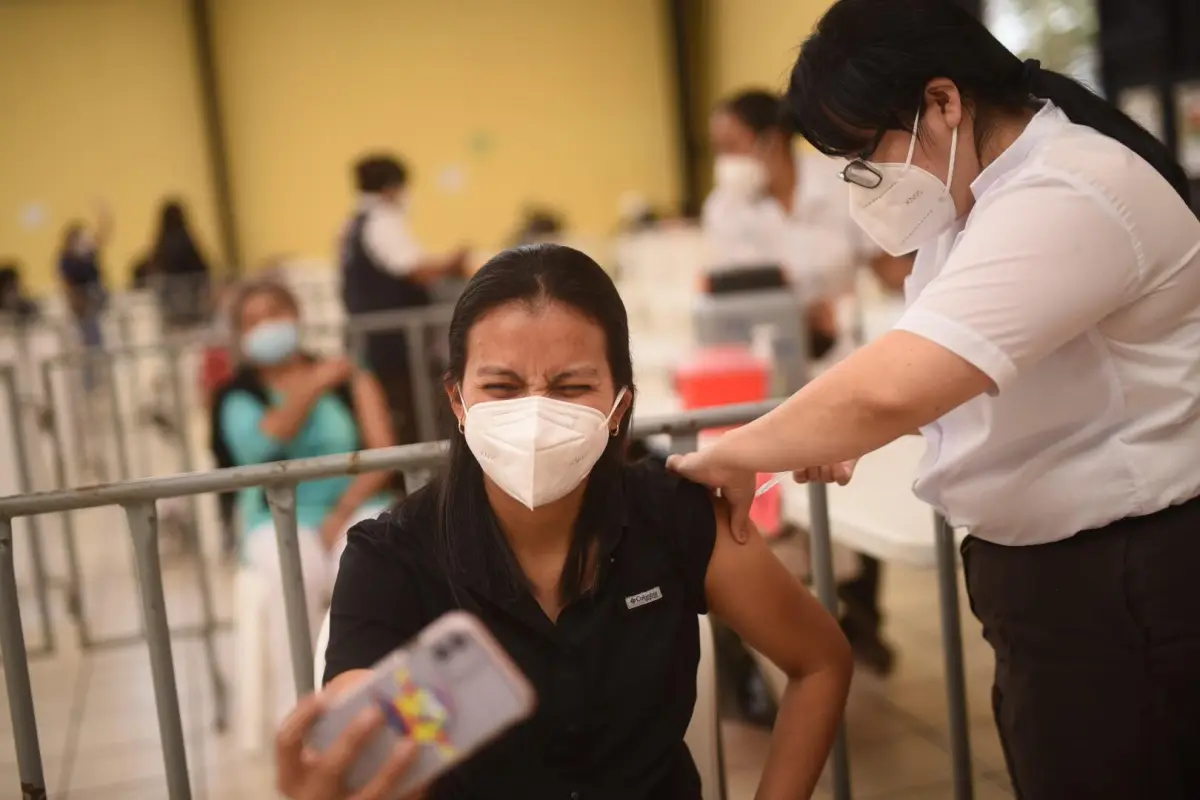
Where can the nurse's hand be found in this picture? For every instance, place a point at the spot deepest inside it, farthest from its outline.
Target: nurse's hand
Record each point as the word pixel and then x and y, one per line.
pixel 839 473
pixel 302 774
pixel 736 486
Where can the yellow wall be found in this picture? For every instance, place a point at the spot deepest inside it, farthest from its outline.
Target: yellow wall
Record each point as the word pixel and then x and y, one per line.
pixel 566 103
pixel 97 99
pixel 755 42
pixel 747 44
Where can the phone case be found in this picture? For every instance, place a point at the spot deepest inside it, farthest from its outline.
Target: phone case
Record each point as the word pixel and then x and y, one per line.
pixel 451 690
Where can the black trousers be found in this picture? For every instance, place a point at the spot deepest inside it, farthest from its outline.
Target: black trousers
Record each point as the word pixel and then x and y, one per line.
pixel 1097 643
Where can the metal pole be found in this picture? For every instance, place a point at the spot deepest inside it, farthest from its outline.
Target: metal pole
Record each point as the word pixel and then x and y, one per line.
pixel 282 501
pixel 209 616
pixel 415 479
pixel 16 674
pixel 356 346
pixel 124 326
pixel 25 484
pixel 75 603
pixel 952 650
pixel 83 427
pixel 21 338
pixel 143 525
pixel 419 383
pixel 124 466
pixel 181 419
pixel 826 586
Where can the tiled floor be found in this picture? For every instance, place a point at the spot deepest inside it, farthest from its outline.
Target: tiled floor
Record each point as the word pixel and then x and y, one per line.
pixel 99 733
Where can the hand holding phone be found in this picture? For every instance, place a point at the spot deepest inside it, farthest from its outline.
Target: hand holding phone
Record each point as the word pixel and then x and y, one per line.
pixel 301 777
pixel 447 693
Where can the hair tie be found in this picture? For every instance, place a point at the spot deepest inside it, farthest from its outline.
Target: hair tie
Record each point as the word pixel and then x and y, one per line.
pixel 1030 71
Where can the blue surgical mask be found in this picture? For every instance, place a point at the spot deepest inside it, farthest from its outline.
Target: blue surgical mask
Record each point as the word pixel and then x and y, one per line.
pixel 271 342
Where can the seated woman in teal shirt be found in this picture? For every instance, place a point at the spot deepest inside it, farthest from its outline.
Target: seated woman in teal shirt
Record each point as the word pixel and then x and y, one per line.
pixel 285 404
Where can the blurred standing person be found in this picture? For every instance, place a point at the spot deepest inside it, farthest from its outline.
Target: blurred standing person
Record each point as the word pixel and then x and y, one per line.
pixel 771 206
pixel 80 272
pixel 83 282
pixel 383 269
pixel 182 273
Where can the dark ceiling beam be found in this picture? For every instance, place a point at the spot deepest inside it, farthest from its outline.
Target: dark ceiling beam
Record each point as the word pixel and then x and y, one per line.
pixel 684 23
pixel 216 140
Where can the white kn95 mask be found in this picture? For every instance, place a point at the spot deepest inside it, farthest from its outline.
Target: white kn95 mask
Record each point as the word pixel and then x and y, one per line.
pixel 537 449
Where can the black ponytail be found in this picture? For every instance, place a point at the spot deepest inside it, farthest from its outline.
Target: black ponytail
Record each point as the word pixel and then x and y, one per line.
pixel 865 68
pixel 1083 107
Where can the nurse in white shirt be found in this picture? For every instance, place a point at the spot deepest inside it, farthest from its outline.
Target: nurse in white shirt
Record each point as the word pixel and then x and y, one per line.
pixel 772 205
pixel 1050 354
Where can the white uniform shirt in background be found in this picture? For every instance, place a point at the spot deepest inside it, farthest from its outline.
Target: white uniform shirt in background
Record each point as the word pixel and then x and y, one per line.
pixel 387 237
pixel 1074 284
pixel 818 245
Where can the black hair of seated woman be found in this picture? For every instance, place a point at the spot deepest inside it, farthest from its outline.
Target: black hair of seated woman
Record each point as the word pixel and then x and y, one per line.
pixel 468 533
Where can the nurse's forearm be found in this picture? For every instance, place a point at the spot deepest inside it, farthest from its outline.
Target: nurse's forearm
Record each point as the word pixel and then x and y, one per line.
pixel 803 735
pixel 824 423
pixel 884 391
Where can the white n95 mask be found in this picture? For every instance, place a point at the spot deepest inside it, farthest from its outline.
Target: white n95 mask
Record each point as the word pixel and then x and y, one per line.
pixel 901 206
pixel 743 175
pixel 537 449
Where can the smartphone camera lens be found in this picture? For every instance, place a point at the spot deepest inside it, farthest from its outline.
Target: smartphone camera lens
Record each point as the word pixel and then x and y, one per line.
pixel 440 653
pixel 457 642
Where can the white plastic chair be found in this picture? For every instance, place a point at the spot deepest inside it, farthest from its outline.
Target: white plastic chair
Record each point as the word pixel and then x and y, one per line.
pixel 703 736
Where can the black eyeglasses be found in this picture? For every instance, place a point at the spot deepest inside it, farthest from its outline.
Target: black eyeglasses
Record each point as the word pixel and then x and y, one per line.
pixel 860 173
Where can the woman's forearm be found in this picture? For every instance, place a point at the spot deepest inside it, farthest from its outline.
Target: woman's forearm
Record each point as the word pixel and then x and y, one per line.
pixel 803 735
pixel 283 422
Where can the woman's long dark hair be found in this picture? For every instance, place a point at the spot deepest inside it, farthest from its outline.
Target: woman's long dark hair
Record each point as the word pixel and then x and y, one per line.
pixel 469 535
pixel 864 71
pixel 175 251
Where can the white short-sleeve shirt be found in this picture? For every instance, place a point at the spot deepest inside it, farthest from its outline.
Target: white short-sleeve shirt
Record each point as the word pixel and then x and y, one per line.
pixel 387 236
pixel 817 244
pixel 1074 284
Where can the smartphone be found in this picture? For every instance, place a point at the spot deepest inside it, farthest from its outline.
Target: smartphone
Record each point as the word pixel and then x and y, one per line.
pixel 452 690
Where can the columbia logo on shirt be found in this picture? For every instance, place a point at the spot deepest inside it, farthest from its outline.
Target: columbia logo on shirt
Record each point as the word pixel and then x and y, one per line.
pixel 643 598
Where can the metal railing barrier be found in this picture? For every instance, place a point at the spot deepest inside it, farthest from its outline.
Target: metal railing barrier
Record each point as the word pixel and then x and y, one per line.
pixel 280 480
pixel 80 420
pixel 23 477
pixel 140 416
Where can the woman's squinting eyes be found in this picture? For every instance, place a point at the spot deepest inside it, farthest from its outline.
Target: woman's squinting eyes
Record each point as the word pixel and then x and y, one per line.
pixel 508 388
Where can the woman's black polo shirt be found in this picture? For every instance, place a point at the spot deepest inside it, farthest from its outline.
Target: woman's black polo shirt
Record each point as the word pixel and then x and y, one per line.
pixel 615 677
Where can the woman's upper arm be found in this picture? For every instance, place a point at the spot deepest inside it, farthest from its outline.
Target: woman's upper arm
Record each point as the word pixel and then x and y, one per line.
pixel 240 417
pixel 1041 265
pixel 371 411
pixel 751 590
pixel 374 608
